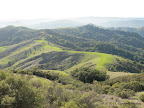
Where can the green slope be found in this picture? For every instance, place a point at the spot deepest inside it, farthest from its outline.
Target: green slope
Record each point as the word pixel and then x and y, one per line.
pixel 23 48
pixel 12 55
pixel 95 60
pixel 45 55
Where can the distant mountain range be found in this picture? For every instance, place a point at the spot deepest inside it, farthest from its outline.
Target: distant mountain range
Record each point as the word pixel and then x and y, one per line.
pixel 127 23
pixel 139 30
pixel 73 22
pixel 56 24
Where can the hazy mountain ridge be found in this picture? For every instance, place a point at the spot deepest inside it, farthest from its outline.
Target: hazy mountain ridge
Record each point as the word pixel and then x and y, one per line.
pixel 128 23
pixel 139 30
pixel 72 22
pixel 56 24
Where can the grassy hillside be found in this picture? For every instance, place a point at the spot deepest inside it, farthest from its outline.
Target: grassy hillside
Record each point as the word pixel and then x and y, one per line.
pixel 69 48
pixel 87 38
pixel 25 50
pixel 45 55
pixel 91 38
pixel 95 60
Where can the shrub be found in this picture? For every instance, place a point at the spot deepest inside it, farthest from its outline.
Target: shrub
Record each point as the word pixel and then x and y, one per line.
pixel 128 105
pixel 17 92
pixel 88 75
pixel 88 100
pixel 134 85
pixel 119 91
pixel 105 89
pixel 125 93
pixel 71 104
pixel 141 97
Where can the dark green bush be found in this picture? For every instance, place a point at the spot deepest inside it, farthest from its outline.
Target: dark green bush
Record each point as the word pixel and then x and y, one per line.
pixel 88 75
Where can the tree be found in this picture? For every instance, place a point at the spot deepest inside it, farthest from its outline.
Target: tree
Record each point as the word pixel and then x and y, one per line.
pixel 88 75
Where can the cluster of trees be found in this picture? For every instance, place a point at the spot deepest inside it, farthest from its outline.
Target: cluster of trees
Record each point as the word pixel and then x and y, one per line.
pixel 104 35
pixel 126 66
pixel 139 30
pixel 54 76
pixel 22 89
pixel 88 75
pixel 125 86
pixel 17 92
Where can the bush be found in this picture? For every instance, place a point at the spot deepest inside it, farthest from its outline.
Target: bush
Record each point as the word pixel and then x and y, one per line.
pixel 125 93
pixel 134 85
pixel 71 104
pixel 126 79
pixel 141 97
pixel 88 100
pixel 128 105
pixel 88 75
pixel 105 89
pixel 17 92
pixel 119 91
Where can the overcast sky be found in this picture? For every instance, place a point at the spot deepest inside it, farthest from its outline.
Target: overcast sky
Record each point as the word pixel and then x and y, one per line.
pixel 34 9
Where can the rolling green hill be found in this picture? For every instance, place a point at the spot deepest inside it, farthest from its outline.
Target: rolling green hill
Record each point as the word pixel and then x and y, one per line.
pixel 95 39
pixel 47 56
pixel 69 48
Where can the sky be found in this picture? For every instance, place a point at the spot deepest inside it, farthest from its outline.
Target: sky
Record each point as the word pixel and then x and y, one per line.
pixel 62 9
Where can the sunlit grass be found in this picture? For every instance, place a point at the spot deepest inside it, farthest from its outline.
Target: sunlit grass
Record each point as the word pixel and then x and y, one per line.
pixel 49 45
pixel 3 48
pixel 57 71
pixel 117 74
pixel 95 60
pixel 45 48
